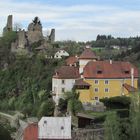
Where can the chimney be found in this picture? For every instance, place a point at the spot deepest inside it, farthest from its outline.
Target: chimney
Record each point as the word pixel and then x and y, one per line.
pixel 132 77
pixel 110 61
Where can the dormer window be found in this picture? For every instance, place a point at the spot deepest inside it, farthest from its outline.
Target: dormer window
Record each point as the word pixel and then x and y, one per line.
pixel 99 72
pixel 126 71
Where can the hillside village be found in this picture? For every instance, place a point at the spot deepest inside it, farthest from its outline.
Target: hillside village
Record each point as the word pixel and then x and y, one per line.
pixel 56 92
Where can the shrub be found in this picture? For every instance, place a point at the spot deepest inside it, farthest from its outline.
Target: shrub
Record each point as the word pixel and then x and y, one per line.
pixel 119 102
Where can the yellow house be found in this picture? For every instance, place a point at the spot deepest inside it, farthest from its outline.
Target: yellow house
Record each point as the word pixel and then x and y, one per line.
pixel 104 79
pixel 95 79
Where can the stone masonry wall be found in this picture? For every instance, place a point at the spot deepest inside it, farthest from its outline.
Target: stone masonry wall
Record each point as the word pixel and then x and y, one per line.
pixel 88 134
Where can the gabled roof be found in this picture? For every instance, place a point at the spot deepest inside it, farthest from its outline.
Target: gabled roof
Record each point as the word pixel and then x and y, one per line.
pixel 105 69
pixel 81 115
pixel 71 60
pixel 88 54
pixel 129 88
pixel 80 82
pixel 67 72
pixel 31 132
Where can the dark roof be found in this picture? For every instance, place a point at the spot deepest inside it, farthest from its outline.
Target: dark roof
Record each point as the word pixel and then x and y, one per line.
pixel 80 82
pixel 129 88
pixel 85 116
pixel 88 54
pixel 71 60
pixel 67 72
pixel 105 69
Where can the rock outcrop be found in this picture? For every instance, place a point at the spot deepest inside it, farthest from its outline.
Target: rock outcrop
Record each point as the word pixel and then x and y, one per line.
pixel 34 33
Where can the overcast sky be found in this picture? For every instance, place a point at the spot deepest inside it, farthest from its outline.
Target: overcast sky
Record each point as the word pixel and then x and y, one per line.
pixel 79 20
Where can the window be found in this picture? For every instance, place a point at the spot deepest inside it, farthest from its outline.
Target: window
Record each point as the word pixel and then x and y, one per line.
pixel 63 81
pixel 62 127
pixel 99 72
pixel 63 89
pixel 96 89
pixel 97 98
pixel 106 82
pixel 106 90
pixel 126 71
pixel 96 82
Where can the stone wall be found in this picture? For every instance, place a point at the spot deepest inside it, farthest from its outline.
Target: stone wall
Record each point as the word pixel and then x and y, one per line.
pixel 52 36
pixel 9 24
pixel 88 134
pixel 22 40
pixel 34 32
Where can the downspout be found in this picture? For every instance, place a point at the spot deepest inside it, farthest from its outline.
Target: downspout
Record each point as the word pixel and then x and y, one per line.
pixel 132 77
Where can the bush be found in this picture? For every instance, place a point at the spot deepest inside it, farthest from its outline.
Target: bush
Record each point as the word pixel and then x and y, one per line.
pixel 119 102
pixel 4 133
pixel 46 108
pixel 123 113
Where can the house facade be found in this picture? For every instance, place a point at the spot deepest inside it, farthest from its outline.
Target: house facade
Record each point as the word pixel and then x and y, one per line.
pixel 63 81
pixel 94 79
pixel 107 79
pixel 85 57
pixel 61 53
pixel 54 128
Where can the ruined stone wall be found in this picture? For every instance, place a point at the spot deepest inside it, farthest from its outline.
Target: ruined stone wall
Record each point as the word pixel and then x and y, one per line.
pixel 34 33
pixel 52 36
pixel 22 40
pixel 34 36
pixel 9 24
pixel 88 134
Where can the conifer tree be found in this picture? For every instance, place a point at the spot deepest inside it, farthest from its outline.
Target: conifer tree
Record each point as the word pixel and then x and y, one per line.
pixel 112 127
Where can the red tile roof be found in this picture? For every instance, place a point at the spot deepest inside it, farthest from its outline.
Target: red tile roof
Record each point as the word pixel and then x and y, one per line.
pixel 80 82
pixel 72 60
pixel 129 88
pixel 31 132
pixel 88 54
pixel 105 69
pixel 67 72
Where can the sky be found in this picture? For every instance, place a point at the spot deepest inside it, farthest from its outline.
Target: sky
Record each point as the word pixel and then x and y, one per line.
pixel 78 20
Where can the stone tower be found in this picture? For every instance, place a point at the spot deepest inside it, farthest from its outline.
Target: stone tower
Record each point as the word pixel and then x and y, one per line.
pixel 22 40
pixel 9 25
pixel 52 36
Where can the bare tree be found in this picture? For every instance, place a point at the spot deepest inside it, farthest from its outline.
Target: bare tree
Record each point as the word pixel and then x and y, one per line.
pixel 17 26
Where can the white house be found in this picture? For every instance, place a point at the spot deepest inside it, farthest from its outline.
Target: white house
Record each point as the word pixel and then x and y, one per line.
pixel 85 57
pixel 54 128
pixel 63 80
pixel 61 53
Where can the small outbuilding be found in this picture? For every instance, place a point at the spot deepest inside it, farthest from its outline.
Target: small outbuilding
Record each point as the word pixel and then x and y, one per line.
pixel 54 128
pixel 84 120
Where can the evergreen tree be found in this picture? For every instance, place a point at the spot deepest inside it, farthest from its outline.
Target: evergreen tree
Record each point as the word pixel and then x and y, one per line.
pixel 112 127
pixel 135 116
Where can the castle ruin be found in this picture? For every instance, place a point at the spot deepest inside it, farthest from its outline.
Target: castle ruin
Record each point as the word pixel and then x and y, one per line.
pixel 33 34
pixel 9 25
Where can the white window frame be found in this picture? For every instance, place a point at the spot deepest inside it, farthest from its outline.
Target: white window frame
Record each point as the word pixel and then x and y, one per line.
pixel 106 91
pixel 62 90
pixel 106 83
pixel 97 82
pixel 97 90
